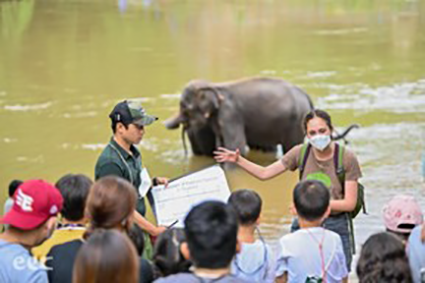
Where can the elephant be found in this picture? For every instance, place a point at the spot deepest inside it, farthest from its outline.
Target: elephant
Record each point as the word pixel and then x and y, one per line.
pixel 257 112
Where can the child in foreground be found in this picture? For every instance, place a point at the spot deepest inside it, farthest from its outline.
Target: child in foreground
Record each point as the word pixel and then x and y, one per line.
pixel 255 261
pixel 211 230
pixel 383 259
pixel 311 254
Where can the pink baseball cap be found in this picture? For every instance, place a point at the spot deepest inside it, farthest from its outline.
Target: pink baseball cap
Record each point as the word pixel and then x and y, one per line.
pixel 402 213
pixel 34 202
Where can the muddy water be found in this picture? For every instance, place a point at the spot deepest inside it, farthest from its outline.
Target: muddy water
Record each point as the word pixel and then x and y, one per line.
pixel 64 64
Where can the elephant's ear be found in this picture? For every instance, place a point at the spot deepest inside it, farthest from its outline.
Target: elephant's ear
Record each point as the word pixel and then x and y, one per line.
pixel 211 95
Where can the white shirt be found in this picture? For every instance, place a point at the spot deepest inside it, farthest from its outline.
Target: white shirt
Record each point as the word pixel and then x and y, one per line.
pixel 255 262
pixel 299 255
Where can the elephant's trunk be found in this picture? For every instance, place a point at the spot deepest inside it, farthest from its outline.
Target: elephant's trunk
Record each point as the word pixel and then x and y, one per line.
pixel 174 122
pixel 184 130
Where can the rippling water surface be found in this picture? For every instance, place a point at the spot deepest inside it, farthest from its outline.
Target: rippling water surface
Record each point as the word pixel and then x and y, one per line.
pixel 64 64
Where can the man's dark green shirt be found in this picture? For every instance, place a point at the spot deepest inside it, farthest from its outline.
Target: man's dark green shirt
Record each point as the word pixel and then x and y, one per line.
pixel 114 160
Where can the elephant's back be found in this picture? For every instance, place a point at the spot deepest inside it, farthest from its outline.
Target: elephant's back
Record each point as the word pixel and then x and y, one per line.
pixel 262 94
pixel 251 81
pixel 258 83
pixel 272 110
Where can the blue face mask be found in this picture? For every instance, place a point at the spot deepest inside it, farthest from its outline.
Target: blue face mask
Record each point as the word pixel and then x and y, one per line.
pixel 320 142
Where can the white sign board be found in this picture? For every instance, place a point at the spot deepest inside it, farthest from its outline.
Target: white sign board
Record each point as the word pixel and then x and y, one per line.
pixel 172 204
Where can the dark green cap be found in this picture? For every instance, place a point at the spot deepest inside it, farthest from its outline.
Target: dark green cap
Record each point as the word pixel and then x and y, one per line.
pixel 131 112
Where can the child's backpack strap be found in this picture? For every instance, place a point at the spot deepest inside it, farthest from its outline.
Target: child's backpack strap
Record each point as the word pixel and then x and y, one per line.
pixel 305 151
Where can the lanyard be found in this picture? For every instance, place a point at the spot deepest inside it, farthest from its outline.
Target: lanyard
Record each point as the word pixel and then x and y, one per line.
pixel 322 257
pixel 123 160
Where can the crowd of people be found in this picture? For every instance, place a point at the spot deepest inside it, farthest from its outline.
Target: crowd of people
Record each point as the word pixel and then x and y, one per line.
pixel 79 230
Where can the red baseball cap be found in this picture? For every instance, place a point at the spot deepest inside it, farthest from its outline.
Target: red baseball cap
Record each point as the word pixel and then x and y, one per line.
pixel 34 202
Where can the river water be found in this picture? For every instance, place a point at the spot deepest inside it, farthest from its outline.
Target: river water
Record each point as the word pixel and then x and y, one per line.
pixel 64 64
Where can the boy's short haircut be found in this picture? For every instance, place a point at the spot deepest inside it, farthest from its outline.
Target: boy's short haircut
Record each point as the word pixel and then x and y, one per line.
pixel 13 186
pixel 211 229
pixel 311 199
pixel 74 189
pixel 247 205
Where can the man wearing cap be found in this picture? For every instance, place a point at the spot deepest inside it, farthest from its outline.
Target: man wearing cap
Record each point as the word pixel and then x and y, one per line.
pixel 121 158
pixel 31 221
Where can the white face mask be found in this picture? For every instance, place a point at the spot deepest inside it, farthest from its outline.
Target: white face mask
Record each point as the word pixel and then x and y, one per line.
pixel 320 142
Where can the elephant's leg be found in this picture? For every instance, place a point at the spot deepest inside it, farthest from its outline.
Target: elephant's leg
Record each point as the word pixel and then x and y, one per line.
pixel 234 137
pixel 202 141
pixel 194 143
pixel 207 141
pixel 230 128
pixel 292 138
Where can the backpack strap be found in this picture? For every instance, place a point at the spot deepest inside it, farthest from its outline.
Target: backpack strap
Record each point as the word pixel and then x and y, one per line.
pixel 340 172
pixel 305 151
pixel 338 161
pixel 339 165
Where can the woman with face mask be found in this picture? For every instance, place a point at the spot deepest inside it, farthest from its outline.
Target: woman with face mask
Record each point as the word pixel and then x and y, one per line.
pixel 319 162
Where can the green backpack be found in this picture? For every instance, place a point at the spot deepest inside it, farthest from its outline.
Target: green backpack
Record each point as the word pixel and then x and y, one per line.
pixel 340 172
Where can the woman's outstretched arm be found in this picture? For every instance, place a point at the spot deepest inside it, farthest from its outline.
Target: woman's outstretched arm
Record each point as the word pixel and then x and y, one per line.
pixel 263 173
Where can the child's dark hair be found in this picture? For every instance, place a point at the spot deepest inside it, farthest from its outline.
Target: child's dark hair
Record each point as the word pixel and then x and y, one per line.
pixel 13 186
pixel 311 199
pixel 167 256
pixel 317 113
pixel 211 230
pixel 74 189
pixel 383 259
pixel 247 205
